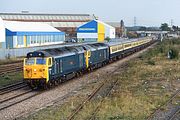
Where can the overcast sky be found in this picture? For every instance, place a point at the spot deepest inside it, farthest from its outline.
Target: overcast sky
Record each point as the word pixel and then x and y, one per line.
pixel 147 12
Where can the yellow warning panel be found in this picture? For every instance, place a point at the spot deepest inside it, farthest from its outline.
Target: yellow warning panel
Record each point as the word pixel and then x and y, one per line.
pixel 101 32
pixel 101 37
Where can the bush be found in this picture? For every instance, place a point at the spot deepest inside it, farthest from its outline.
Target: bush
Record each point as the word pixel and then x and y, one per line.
pixel 107 39
pixel 151 62
pixel 173 53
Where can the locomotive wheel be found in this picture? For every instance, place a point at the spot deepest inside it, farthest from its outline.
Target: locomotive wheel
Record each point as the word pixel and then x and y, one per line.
pixel 90 69
pixel 59 81
pixel 55 82
pixel 77 74
pixel 45 86
pixel 32 86
pixel 80 73
pixel 48 85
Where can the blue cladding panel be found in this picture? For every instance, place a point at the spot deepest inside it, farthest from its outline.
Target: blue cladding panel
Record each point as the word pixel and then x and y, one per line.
pixel 10 33
pixel 40 33
pixel 90 27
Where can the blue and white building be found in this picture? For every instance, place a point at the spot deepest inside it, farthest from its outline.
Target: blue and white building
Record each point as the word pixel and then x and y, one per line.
pixel 95 31
pixel 14 34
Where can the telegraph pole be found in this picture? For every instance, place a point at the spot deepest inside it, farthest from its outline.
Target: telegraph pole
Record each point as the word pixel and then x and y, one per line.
pixel 172 22
pixel 135 21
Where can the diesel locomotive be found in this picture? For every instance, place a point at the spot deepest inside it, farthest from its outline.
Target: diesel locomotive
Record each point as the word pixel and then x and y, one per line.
pixel 45 68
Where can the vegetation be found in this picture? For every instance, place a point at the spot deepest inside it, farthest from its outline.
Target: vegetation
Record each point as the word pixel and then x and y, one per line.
pixel 175 28
pixel 144 86
pixel 107 39
pixel 165 27
pixel 10 78
pixel 132 35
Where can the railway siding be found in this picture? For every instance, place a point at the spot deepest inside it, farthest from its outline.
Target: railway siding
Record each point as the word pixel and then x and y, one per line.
pixel 11 68
pixel 11 73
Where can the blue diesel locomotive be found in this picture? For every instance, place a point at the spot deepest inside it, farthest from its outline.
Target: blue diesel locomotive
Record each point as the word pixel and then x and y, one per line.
pixel 45 68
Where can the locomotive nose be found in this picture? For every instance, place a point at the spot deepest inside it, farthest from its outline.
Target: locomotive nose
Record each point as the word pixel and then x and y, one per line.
pixel 35 72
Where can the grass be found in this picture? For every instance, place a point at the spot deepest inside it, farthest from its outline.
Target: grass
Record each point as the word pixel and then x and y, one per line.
pixel 144 86
pixel 10 78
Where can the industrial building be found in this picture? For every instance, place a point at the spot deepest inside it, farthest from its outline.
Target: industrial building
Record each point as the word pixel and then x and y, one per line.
pixel 121 30
pixel 15 34
pixel 95 30
pixel 67 23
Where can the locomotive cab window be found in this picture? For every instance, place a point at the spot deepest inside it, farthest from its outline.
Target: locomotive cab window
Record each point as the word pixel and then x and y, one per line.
pixel 40 61
pixel 49 61
pixel 30 61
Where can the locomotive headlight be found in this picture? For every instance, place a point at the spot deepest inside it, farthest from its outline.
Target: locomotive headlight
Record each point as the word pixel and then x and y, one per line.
pixel 34 70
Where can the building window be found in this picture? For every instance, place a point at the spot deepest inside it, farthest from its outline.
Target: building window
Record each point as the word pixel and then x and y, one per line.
pixel 31 39
pixel 48 38
pixel 28 40
pixel 45 39
pixel 20 40
pixel 39 39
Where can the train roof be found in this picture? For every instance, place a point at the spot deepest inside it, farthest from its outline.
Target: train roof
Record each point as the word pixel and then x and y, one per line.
pixel 121 41
pixel 67 50
pixel 77 48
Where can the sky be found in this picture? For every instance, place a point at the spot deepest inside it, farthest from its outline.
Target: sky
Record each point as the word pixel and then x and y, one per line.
pixel 147 12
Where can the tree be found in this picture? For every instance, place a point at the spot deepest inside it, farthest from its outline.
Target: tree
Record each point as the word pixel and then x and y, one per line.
pixel 175 28
pixel 165 27
pixel 107 39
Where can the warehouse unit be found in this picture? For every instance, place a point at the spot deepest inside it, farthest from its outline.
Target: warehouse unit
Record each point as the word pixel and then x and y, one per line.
pixel 95 30
pixel 67 23
pixel 29 34
pixel 2 34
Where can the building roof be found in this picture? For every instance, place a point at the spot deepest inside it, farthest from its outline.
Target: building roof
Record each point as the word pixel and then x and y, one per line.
pixel 92 26
pixel 16 26
pixel 65 24
pixel 40 17
pixel 114 24
pixel 105 24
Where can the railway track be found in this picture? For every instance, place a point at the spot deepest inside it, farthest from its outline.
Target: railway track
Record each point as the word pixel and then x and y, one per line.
pixel 11 68
pixel 171 115
pixel 94 113
pixel 18 98
pixel 175 115
pixel 12 87
pixel 109 87
pixel 107 93
pixel 12 62
pixel 13 100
